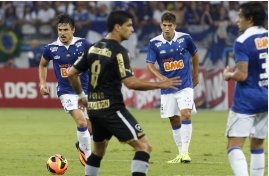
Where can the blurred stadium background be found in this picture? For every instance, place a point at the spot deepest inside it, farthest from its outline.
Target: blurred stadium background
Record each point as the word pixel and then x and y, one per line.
pixel 30 136
pixel 26 26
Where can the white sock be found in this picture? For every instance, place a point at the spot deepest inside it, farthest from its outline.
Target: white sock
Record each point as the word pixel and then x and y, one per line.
pixel 177 138
pixel 84 140
pixel 238 161
pixel 186 133
pixel 91 170
pixel 257 162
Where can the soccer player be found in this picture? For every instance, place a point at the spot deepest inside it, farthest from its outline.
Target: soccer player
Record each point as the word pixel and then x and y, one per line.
pixel 63 53
pixel 109 67
pixel 176 55
pixel 249 112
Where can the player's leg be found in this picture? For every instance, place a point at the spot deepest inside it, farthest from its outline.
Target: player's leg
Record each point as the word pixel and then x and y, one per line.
pixel 93 163
pixel 70 104
pixel 186 134
pixel 140 163
pixel 83 135
pixel 176 128
pixel 169 109
pixel 101 137
pixel 186 107
pixel 258 134
pixel 126 129
pixel 238 129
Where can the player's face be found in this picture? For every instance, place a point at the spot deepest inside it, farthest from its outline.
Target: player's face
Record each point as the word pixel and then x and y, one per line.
pixel 168 29
pixel 242 22
pixel 65 33
pixel 126 30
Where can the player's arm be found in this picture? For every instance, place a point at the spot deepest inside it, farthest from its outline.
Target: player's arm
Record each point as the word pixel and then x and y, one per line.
pixel 239 74
pixel 42 72
pixel 195 69
pixel 73 76
pixel 155 71
pixel 137 84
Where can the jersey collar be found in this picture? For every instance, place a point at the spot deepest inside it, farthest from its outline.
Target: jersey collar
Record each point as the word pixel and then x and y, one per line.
pixel 173 40
pixel 59 43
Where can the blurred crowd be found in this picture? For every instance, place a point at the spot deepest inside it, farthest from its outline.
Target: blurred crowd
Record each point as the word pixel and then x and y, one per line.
pixel 33 21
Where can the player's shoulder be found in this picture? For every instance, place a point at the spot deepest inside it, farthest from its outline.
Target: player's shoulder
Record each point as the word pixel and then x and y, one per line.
pixel 80 41
pixel 252 31
pixel 181 34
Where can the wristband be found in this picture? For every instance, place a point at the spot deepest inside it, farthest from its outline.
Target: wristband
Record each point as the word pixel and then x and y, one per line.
pixel 81 95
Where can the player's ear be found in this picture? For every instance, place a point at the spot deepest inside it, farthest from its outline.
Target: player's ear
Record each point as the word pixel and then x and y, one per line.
pixel 117 27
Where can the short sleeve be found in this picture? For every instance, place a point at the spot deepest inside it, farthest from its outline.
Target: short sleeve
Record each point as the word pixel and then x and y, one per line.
pixel 240 52
pixel 46 53
pixel 123 62
pixel 151 55
pixel 81 63
pixel 191 46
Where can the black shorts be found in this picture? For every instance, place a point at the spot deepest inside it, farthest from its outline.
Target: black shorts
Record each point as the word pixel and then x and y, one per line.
pixel 121 124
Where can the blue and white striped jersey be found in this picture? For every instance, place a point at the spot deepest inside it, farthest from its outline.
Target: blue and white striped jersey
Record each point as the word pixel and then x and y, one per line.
pixel 251 96
pixel 173 58
pixel 63 57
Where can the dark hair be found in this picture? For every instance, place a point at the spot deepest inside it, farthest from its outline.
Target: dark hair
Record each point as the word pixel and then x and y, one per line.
pixel 64 18
pixel 117 17
pixel 169 16
pixel 254 11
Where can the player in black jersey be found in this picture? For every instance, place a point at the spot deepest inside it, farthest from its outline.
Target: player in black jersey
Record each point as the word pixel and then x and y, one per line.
pixel 109 67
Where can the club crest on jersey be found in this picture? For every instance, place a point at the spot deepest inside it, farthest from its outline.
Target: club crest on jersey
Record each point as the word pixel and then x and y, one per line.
pixel 53 49
pixel 79 44
pixel 56 57
pixel 180 40
pixel 158 44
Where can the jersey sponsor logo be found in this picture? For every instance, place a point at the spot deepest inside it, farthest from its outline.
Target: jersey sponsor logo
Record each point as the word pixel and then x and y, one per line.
pixel 53 49
pixel 100 51
pixel 158 44
pixel 261 43
pixel 174 65
pixel 162 52
pixel 121 65
pixel 97 105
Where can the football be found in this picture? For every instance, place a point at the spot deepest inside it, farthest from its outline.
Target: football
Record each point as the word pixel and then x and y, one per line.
pixel 57 164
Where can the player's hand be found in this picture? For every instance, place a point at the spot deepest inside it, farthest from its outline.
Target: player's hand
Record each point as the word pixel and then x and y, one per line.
pixel 44 90
pixel 162 77
pixel 226 73
pixel 170 83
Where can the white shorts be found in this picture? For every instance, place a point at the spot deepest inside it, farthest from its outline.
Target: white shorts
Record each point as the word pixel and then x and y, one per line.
pixel 70 102
pixel 244 125
pixel 171 104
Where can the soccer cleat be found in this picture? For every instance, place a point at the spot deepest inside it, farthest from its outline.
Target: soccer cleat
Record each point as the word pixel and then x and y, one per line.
pixel 81 155
pixel 185 157
pixel 177 159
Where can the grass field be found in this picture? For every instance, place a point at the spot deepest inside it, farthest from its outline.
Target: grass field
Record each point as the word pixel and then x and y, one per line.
pixel 29 136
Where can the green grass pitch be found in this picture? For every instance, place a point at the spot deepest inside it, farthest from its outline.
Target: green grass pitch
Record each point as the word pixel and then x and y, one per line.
pixel 28 137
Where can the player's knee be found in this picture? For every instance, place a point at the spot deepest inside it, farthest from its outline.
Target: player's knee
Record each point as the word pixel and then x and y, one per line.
pixel 256 143
pixel 185 115
pixel 175 121
pixel 148 148
pixel 82 123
